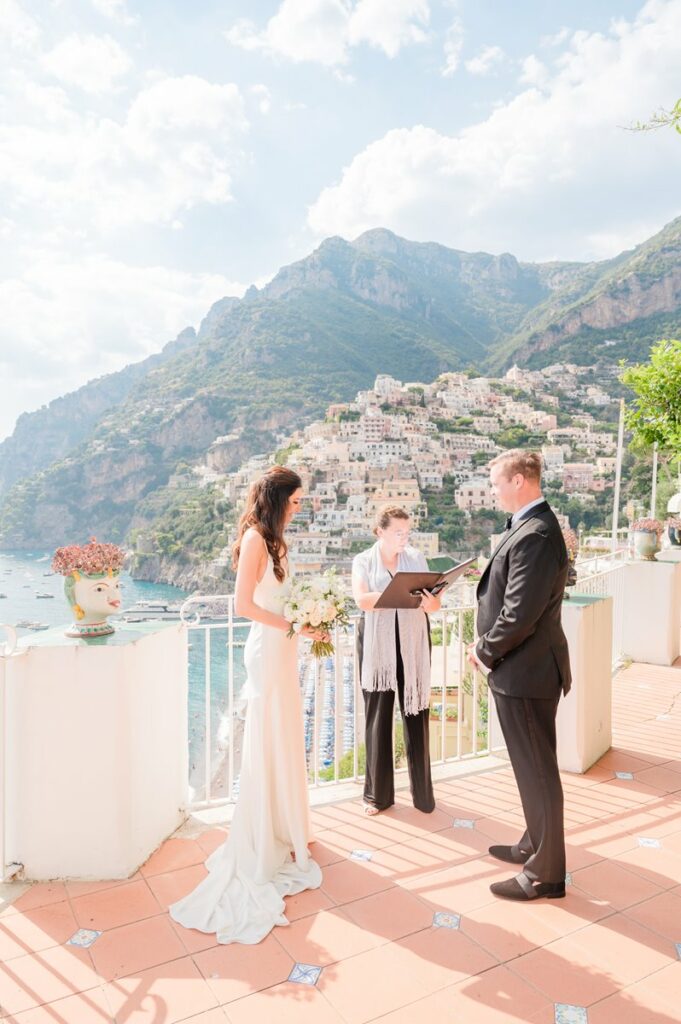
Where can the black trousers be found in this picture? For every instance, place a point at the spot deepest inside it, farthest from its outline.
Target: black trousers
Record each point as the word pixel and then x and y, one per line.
pixel 379 778
pixel 529 728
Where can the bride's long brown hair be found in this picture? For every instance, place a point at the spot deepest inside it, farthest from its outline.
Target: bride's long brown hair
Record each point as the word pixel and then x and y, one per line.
pixel 265 510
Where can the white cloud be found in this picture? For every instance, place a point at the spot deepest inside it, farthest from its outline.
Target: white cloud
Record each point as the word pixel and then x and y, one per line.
pixel 175 147
pixel 263 98
pixel 548 173
pixel 453 48
pixel 92 63
pixel 533 71
pixel 487 59
pixel 116 10
pixel 67 320
pixel 17 28
pixel 388 25
pixel 323 31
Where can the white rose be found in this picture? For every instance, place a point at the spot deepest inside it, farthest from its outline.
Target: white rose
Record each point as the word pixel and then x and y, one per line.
pixel 316 618
pixel 330 613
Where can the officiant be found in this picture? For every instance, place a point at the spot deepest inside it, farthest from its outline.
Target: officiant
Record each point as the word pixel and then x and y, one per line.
pixel 393 649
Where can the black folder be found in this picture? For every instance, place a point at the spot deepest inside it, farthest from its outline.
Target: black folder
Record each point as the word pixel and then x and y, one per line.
pixel 404 589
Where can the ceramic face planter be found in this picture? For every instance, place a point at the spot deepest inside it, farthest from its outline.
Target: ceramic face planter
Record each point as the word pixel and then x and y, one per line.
pixel 91 584
pixel 93 597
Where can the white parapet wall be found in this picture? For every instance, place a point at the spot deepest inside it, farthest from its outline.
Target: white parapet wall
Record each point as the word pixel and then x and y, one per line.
pixel 652 611
pixel 96 750
pixel 584 722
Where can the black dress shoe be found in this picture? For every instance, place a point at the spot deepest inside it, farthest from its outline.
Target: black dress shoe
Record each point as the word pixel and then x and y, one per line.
pixel 509 854
pixel 522 888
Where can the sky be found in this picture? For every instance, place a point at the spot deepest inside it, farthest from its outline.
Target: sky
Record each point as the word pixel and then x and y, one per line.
pixel 156 155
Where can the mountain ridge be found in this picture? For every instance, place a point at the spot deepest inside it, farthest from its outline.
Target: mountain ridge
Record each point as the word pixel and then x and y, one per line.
pixel 318 332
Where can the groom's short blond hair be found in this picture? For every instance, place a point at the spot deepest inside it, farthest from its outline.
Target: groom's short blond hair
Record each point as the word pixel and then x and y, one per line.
pixel 528 464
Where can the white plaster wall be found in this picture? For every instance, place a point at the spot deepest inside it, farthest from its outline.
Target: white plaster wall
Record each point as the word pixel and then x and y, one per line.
pixel 96 755
pixel 584 721
pixel 652 611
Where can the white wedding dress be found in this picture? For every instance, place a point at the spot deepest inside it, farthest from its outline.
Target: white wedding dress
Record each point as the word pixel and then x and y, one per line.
pixel 241 899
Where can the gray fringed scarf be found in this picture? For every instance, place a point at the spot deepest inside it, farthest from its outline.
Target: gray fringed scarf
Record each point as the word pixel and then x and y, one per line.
pixel 379 660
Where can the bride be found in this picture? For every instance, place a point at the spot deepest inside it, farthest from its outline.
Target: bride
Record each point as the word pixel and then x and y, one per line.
pixel 265 856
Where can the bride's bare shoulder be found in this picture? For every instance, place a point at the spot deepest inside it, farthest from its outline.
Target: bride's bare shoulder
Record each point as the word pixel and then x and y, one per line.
pixel 253 540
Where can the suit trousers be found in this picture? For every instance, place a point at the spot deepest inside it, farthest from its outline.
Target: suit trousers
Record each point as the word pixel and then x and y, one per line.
pixel 529 728
pixel 379 778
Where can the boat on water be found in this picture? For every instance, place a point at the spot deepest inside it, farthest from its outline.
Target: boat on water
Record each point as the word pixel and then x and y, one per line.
pixel 146 611
pixel 45 596
pixel 27 624
pixel 2 595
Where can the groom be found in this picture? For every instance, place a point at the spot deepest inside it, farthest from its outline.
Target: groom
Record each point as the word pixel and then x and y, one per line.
pixel 523 648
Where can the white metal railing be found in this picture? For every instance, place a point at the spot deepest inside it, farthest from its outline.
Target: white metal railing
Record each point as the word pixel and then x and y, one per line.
pixel 333 707
pixel 332 701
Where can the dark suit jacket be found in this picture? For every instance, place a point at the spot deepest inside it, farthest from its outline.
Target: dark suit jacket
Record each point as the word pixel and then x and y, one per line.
pixel 520 597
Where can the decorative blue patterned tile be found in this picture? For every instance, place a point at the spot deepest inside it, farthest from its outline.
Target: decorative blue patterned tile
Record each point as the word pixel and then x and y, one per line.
pixel 305 974
pixel 678 949
pixel 568 878
pixel 463 823
pixel 361 854
pixel 654 844
pixel 625 775
pixel 84 937
pixel 443 919
pixel 565 1013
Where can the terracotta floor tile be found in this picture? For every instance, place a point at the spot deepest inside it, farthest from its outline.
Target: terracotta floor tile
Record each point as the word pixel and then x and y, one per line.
pixel 662 914
pixel 461 888
pixel 352 880
pixel 234 971
pixel 111 908
pixel 174 885
pixel 666 779
pixel 165 994
pixel 134 947
pixel 38 978
pixel 310 901
pixel 285 1004
pixel 33 930
pixel 330 847
pixel 654 1000
pixel 41 895
pixel 595 962
pixel 413 822
pixel 89 1007
pixel 390 914
pixel 384 979
pixel 496 997
pixel 215 1016
pixel 660 866
pixel 193 941
pixel 75 889
pixel 326 938
pixel 209 841
pixel 613 883
pixel 171 855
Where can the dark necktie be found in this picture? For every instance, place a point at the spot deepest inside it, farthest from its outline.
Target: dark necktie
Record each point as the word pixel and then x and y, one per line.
pixel 509 522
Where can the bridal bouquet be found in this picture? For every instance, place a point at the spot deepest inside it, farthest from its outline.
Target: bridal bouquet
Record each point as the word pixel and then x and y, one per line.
pixel 319 602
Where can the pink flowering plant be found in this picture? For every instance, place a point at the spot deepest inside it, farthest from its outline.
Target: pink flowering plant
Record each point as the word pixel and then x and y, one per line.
pixel 91 559
pixel 571 542
pixel 647 525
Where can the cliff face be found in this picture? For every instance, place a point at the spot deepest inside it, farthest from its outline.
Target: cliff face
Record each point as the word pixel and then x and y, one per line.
pixel 48 435
pixel 324 327
pixel 626 303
